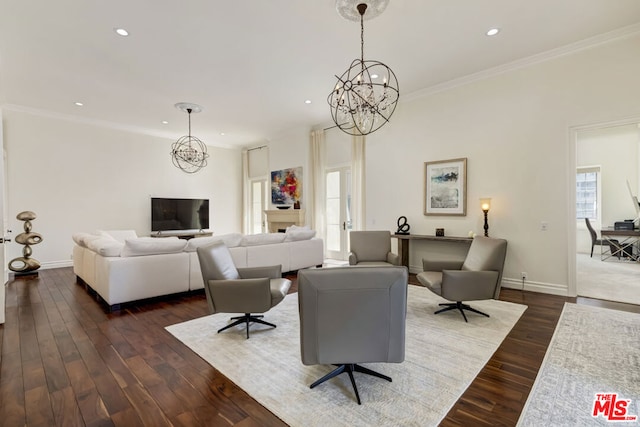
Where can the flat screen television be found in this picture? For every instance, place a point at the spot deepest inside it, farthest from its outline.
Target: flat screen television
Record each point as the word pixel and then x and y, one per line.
pixel 179 214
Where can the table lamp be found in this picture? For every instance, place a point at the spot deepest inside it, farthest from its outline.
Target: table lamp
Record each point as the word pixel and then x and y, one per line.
pixel 485 205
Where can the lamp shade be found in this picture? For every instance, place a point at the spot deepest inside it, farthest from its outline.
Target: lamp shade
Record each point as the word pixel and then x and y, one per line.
pixel 485 203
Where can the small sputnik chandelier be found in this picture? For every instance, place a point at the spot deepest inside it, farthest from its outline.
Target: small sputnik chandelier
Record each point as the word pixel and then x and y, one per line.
pixel 365 95
pixel 189 153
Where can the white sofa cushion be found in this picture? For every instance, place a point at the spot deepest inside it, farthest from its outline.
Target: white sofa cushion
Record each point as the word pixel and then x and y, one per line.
pixel 120 280
pixel 152 246
pixel 305 253
pixel 119 235
pixel 262 239
pixel 82 239
pixel 105 246
pixel 265 255
pixel 293 235
pixel 230 240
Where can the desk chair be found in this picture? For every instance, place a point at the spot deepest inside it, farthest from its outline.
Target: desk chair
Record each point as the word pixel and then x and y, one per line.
pixel 612 243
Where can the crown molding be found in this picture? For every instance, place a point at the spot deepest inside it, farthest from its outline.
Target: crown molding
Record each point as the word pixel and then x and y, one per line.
pixel 619 34
pixel 101 123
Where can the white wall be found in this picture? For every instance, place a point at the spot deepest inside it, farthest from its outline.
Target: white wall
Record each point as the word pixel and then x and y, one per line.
pixel 615 150
pixel 80 177
pixel 514 130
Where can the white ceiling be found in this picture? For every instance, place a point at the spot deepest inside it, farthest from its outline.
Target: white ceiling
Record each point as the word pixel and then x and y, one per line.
pixel 252 63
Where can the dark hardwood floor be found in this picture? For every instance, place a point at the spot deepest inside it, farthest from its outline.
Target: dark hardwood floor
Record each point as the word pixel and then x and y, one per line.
pixel 65 361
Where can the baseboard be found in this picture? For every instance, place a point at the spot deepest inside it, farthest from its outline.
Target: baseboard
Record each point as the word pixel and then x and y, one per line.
pixel 56 264
pixel 545 288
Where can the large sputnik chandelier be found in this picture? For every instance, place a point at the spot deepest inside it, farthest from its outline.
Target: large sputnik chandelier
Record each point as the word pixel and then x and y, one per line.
pixel 365 95
pixel 189 153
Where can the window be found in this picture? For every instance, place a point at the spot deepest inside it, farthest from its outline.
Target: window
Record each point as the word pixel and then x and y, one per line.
pixel 587 194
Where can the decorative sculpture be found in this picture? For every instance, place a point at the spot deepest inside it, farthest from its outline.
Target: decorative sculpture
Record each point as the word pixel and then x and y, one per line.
pixel 25 264
pixel 404 227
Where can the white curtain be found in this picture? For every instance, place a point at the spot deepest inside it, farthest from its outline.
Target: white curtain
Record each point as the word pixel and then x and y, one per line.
pixel 246 193
pixel 317 205
pixel 358 185
pixel 255 166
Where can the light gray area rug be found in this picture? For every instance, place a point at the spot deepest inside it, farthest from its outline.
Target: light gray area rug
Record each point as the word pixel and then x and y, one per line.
pixel 611 280
pixel 443 356
pixel 593 350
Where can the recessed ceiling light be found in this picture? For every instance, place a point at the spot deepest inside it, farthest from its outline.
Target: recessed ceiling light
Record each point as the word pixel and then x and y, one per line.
pixel 164 122
pixel 121 32
pixel 493 31
pixel 78 104
pixel 308 101
pixel 221 133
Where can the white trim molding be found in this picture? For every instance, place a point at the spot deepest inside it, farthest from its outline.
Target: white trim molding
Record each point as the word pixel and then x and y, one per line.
pixel 541 287
pixel 619 34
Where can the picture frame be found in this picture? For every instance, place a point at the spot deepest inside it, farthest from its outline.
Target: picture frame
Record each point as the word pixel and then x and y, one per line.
pixel 445 187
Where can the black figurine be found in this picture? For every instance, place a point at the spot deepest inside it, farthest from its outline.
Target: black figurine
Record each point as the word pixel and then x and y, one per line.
pixel 403 227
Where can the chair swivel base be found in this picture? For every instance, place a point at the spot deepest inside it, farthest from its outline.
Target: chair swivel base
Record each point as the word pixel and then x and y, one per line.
pixel 460 306
pixel 350 368
pixel 247 318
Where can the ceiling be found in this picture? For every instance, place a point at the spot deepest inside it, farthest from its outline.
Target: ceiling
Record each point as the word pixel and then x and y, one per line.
pixel 251 64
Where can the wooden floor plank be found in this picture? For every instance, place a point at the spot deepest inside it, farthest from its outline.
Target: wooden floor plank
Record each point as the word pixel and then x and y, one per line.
pixel 38 407
pixel 65 360
pixel 65 408
pixel 12 404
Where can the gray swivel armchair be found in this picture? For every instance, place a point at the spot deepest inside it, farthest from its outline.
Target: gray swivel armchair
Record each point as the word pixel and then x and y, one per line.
pixel 371 248
pixel 478 277
pixel 352 315
pixel 239 290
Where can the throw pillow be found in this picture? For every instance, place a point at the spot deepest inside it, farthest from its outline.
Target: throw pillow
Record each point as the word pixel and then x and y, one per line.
pixel 105 246
pixel 299 234
pixel 230 240
pixel 83 239
pixel 262 239
pixel 152 246
pixel 119 235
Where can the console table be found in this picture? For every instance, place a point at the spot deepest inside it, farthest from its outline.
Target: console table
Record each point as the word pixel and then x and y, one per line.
pixel 404 239
pixel 185 236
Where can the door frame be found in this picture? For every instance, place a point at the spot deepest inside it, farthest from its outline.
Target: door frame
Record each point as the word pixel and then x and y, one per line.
pixel 572 164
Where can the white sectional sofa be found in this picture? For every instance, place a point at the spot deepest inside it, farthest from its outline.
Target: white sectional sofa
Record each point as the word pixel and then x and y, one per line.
pixel 122 267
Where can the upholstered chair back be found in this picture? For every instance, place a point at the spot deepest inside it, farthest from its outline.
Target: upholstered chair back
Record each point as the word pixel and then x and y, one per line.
pixel 370 245
pixel 218 265
pixel 352 314
pixel 487 254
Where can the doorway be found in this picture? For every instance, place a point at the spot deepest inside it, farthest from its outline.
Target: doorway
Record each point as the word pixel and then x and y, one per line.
pixel 3 221
pixel 338 214
pixel 599 155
